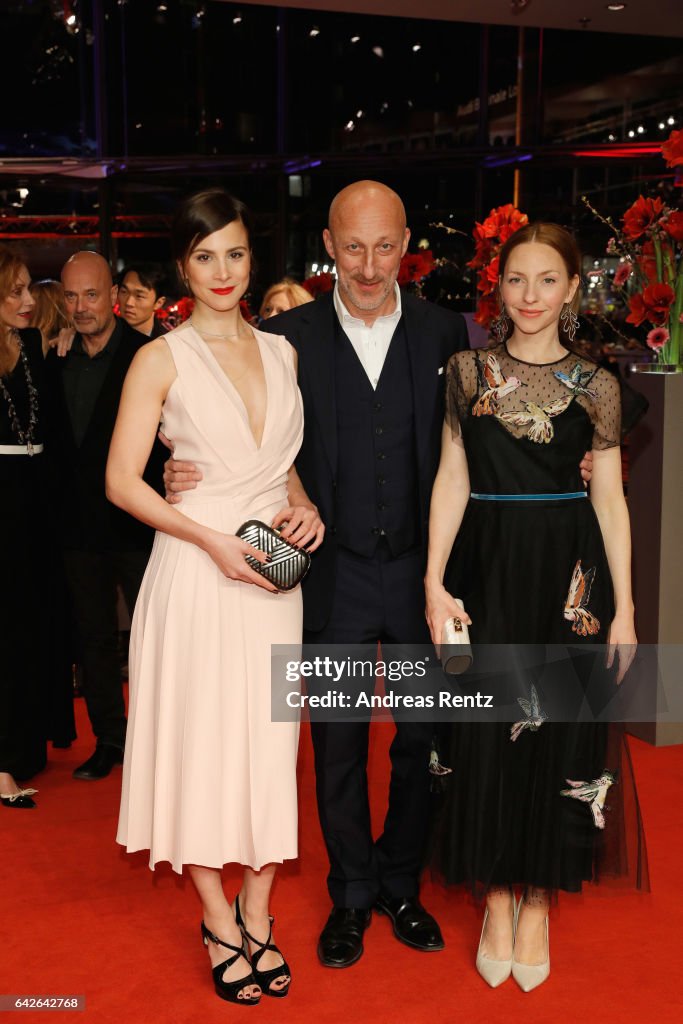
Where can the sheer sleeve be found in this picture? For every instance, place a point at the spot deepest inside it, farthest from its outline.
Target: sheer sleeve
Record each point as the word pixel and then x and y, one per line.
pixel 461 387
pixel 606 410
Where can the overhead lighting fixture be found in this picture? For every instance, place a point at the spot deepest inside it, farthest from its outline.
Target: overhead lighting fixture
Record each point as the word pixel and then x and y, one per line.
pixel 355 39
pixel 349 126
pixel 631 134
pixel 417 47
pixel 671 120
pixel 640 129
pixel 314 32
pixel 378 51
pixel 615 7
pixel 237 20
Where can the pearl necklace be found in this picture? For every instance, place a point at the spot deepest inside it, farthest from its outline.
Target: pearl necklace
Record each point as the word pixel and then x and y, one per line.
pixel 25 436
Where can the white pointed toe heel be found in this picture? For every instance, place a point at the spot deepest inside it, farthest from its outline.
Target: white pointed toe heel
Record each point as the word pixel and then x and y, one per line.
pixel 530 976
pixel 494 972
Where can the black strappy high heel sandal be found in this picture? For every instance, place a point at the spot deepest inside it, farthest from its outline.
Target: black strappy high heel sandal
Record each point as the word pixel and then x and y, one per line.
pixel 264 979
pixel 229 990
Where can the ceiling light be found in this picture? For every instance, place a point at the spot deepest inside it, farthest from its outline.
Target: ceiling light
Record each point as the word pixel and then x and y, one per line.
pixel 671 120
pixel 378 51
pixel 237 19
pixel 631 134
pixel 417 47
pixel 615 7
pixel 355 39
pixel 314 32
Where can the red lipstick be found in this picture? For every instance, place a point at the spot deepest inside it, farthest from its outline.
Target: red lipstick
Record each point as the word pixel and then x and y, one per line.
pixel 223 291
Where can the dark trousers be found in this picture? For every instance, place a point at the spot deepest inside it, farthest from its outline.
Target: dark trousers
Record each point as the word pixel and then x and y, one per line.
pixel 93 577
pixel 376 599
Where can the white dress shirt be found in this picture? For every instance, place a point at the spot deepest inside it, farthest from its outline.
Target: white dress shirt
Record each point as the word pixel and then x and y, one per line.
pixel 371 344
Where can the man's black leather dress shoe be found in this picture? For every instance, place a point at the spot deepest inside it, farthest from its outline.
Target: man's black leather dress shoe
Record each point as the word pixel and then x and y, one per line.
pixel 100 764
pixel 412 923
pixel 341 940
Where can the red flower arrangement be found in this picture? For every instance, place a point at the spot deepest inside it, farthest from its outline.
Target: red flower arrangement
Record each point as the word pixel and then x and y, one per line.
pixel 318 284
pixel 489 238
pixel 650 244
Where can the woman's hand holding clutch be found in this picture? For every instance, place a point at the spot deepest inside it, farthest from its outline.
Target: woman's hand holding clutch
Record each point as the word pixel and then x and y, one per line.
pixel 229 553
pixel 441 607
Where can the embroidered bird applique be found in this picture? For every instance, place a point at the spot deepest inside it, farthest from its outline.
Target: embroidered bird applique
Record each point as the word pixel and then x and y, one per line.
pixel 584 623
pixel 535 717
pixel 593 793
pixel 577 379
pixel 538 418
pixel 493 385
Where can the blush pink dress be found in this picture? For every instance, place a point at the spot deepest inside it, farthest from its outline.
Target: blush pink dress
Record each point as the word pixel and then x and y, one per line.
pixel 208 778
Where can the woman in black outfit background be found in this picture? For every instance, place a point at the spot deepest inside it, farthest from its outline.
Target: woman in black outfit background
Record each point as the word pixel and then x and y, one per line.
pixel 28 667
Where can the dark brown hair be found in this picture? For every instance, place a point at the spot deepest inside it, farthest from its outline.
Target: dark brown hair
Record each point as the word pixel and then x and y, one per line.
pixel 199 215
pixel 559 239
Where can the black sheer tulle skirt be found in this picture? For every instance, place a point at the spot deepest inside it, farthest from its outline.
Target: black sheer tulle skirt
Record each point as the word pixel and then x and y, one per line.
pixel 507 816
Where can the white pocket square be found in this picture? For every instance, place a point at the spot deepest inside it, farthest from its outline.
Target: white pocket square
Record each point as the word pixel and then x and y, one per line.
pixel 440 371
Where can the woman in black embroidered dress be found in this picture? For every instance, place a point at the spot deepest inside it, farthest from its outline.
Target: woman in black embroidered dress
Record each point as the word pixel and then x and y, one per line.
pixel 534 562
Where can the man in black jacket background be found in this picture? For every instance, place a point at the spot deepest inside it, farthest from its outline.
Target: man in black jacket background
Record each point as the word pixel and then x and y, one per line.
pixel 103 546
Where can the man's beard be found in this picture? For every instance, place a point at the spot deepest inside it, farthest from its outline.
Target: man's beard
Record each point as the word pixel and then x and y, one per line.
pixel 368 304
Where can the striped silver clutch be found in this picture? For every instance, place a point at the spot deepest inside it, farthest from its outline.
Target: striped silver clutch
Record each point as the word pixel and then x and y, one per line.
pixel 288 564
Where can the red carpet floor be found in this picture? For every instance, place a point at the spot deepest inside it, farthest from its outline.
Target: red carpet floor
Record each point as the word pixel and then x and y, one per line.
pixel 78 916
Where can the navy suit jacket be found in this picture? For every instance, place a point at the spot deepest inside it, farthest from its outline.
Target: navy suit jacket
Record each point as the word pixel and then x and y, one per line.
pixel 433 334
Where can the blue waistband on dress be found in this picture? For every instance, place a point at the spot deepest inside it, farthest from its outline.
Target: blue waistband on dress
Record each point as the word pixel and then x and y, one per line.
pixel 564 496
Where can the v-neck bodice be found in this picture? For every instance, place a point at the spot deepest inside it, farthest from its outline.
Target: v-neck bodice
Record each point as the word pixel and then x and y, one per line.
pixel 207 420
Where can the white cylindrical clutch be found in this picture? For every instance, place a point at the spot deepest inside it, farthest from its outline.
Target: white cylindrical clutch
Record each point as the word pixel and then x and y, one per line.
pixel 455 650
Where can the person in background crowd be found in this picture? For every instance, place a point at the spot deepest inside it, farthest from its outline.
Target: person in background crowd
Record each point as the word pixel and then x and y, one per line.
pixel 142 291
pixel 103 547
pixel 284 295
pixel 50 315
pixel 29 667
pixel 209 779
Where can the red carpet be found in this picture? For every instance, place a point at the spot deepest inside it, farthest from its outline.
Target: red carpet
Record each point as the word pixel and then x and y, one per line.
pixel 81 917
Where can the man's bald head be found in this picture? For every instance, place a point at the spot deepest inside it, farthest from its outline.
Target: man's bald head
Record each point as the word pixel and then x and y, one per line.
pixel 355 198
pixel 90 295
pixel 90 263
pixel 366 237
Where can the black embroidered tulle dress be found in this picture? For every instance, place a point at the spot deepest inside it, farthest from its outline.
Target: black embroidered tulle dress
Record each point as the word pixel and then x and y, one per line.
pixel 533 571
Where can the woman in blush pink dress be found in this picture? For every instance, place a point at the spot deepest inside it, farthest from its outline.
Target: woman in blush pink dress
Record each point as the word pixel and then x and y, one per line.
pixel 208 778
